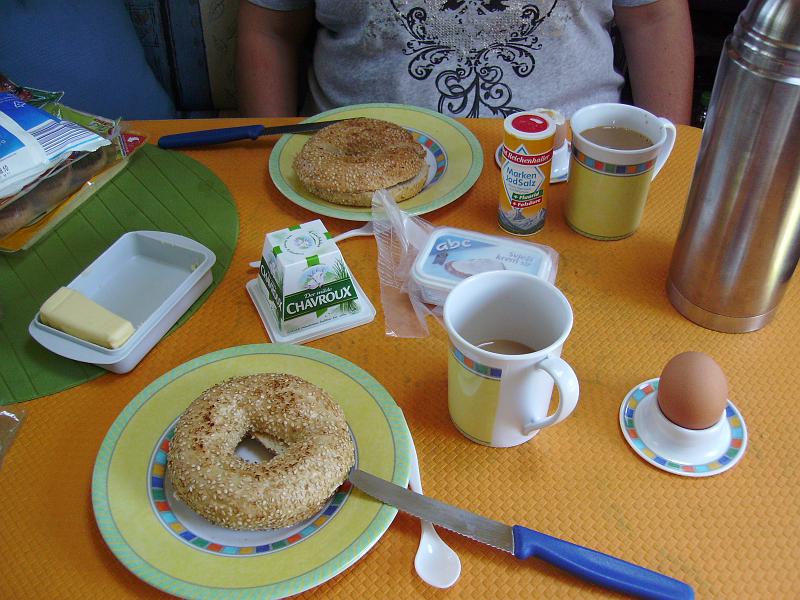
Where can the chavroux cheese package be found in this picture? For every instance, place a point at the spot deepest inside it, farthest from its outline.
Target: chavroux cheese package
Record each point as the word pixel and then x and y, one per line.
pixel 305 278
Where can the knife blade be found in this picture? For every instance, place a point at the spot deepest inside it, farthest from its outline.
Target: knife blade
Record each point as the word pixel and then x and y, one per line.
pixel 594 566
pixel 208 137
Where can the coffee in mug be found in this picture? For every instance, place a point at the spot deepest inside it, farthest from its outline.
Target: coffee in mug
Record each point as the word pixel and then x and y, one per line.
pixel 505 347
pixel 618 138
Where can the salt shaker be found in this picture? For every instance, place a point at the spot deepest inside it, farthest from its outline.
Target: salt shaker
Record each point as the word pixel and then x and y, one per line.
pixel 739 241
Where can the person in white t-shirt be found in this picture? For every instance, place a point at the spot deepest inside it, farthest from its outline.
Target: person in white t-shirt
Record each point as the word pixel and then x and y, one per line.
pixel 464 58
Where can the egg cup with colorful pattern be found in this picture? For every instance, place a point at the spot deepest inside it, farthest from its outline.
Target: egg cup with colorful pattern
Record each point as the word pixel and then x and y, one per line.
pixel 687 452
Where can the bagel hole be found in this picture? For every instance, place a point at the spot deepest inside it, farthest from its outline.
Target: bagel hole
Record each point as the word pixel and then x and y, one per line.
pixel 258 448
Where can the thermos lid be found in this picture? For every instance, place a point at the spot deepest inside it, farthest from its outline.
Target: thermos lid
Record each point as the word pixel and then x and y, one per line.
pixel 778 20
pixel 767 38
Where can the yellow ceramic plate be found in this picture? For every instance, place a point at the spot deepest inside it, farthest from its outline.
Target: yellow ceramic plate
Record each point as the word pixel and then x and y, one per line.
pixel 170 547
pixel 453 154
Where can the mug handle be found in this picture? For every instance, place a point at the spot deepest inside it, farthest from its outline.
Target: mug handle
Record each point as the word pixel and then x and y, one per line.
pixel 666 149
pixel 567 383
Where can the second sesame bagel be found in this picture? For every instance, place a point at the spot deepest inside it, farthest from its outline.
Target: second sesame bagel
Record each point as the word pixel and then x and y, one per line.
pixel 346 162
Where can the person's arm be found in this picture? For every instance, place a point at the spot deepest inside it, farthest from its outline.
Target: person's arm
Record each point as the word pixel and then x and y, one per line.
pixel 659 50
pixel 268 52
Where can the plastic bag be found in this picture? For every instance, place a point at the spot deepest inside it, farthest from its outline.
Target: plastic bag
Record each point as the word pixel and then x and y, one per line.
pixel 10 423
pixel 418 264
pixel 36 201
pixel 400 237
pixel 44 99
pixel 25 216
pixel 33 141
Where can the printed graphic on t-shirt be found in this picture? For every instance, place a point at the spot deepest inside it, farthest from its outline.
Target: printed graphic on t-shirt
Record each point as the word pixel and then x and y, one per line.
pixel 468 48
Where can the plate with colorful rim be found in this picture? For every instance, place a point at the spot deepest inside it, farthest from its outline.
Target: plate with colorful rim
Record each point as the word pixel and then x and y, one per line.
pixel 453 155
pixel 169 546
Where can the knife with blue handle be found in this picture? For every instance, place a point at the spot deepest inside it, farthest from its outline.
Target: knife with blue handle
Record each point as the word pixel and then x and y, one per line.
pixel 599 568
pixel 209 137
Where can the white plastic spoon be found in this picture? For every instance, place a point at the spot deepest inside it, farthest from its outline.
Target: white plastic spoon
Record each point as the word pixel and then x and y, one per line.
pixel 436 563
pixel 365 229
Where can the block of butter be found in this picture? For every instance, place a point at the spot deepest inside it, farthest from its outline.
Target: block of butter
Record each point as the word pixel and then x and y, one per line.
pixel 71 312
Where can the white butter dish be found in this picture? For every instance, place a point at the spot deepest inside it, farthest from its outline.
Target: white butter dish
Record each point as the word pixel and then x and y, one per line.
pixel 451 255
pixel 149 278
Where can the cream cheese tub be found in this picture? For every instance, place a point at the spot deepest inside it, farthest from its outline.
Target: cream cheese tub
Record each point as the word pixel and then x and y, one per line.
pixel 452 255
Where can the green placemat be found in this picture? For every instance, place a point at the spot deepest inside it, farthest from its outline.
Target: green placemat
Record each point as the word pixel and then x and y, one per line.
pixel 158 190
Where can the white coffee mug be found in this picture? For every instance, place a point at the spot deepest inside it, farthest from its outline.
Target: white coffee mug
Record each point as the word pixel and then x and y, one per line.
pixel 501 398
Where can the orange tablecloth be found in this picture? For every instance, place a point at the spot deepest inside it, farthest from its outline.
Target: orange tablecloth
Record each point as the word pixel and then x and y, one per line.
pixel 734 535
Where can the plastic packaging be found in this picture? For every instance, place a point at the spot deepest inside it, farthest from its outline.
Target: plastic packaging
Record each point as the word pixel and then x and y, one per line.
pixel 53 187
pixel 34 141
pixel 10 422
pixel 44 99
pixel 419 264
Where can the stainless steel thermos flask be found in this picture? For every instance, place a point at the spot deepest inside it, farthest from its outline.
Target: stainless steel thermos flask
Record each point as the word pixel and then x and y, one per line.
pixel 739 241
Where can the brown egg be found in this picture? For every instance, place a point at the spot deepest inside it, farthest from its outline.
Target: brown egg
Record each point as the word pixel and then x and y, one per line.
pixel 693 391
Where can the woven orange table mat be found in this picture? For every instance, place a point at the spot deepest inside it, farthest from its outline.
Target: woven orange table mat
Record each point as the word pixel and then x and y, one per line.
pixel 730 536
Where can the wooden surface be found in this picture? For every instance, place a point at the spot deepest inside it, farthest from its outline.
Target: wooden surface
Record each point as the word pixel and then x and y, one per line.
pixel 731 536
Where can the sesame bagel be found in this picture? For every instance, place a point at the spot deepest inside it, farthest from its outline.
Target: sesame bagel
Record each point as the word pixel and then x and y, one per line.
pixel 308 431
pixel 346 162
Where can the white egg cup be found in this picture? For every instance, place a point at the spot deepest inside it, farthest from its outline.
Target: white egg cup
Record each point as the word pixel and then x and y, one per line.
pixel 672 448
